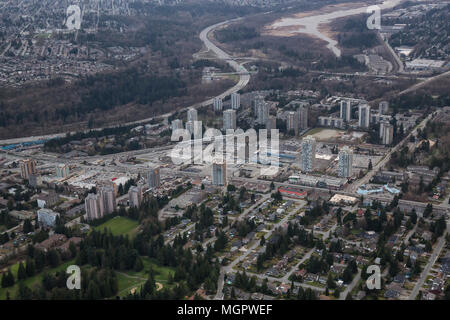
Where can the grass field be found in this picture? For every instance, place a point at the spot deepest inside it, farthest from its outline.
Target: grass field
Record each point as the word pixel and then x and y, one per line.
pixel 14 268
pixel 132 279
pixel 120 226
pixel 126 280
pixel 29 282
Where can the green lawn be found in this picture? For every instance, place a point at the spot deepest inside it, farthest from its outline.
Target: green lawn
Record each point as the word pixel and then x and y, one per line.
pixel 126 283
pixel 15 268
pixel 132 279
pixel 119 226
pixel 29 282
pixel 126 280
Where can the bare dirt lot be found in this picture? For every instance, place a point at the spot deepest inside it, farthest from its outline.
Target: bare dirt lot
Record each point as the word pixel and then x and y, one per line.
pixel 288 31
pixel 325 134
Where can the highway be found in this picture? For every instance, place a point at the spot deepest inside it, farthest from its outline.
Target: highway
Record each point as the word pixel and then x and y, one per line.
pixel 244 75
pixel 421 84
pixel 397 60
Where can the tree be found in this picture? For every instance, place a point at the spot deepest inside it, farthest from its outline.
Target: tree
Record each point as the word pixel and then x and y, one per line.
pixel 347 275
pixel 263 241
pixel 54 258
pixel 277 196
pixel 447 293
pixel 210 285
pixel 264 287
pixel 21 273
pixel 27 226
pixel 330 282
pixel 417 269
pixel 259 262
pixel 24 293
pixel 72 249
pixel 7 279
pixel 138 265
pixel 339 216
pixel 413 217
pixel 428 210
pixel 336 293
pixel 370 167
pixel 30 268
pixel 150 284
pixel 225 222
pixel 93 292
pixel 409 224
pixel 221 242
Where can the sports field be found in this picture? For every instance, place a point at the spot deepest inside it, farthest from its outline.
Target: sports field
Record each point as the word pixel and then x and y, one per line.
pixel 119 226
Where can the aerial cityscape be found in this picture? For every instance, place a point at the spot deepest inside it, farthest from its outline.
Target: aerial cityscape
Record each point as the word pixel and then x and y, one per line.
pixel 224 150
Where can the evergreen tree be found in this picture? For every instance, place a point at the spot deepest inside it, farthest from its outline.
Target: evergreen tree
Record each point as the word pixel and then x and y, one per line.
pixel 4 280
pixel 27 226
pixel 93 292
pixel 21 273
pixel 30 268
pixel 8 279
pixel 330 282
pixel 24 293
pixel 138 266
pixel 336 293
